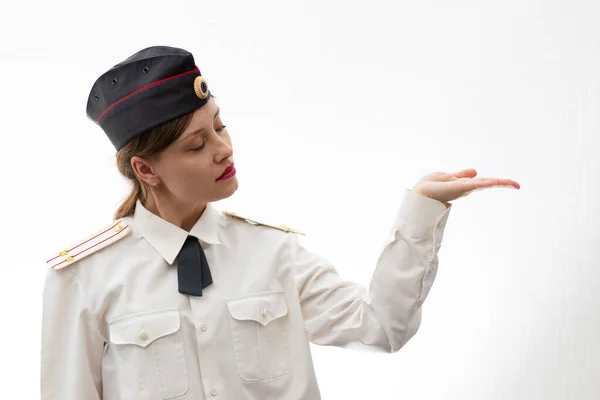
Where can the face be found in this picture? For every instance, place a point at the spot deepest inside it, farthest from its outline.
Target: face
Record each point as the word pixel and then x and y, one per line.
pixel 191 169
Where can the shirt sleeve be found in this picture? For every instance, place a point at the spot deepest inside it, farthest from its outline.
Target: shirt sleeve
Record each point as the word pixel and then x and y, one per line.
pixel 72 347
pixel 387 313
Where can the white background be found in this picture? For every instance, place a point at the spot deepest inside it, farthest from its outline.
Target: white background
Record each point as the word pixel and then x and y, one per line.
pixel 335 108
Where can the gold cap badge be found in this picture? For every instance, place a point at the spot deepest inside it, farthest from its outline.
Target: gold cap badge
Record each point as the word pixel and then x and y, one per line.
pixel 201 87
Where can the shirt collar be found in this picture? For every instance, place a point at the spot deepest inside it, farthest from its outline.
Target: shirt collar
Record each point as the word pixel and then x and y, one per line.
pixel 167 238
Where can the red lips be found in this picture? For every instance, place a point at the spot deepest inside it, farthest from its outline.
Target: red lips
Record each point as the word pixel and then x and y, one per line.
pixel 228 173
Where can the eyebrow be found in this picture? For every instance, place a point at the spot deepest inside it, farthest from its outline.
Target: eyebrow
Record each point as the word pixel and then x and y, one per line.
pixel 198 131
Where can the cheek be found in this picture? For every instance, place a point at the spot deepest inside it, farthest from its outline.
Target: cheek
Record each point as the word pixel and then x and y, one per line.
pixel 180 169
pixel 196 169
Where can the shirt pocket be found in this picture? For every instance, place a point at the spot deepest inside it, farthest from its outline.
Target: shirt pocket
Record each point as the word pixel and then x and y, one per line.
pixel 260 331
pixel 148 355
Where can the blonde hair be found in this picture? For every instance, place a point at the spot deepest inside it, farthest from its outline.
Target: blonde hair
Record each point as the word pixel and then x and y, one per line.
pixel 146 145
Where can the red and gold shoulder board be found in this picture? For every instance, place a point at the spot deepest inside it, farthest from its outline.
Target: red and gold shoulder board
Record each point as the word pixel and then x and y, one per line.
pixel 99 240
pixel 253 222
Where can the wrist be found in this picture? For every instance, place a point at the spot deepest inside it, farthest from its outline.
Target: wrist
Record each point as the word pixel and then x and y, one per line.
pixel 419 192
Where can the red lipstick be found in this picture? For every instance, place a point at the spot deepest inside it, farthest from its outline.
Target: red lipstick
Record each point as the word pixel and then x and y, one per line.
pixel 228 173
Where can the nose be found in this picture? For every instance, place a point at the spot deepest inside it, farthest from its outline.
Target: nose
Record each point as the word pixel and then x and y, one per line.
pixel 224 150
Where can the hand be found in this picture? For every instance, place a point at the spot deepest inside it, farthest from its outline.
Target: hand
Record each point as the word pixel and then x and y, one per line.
pixel 444 187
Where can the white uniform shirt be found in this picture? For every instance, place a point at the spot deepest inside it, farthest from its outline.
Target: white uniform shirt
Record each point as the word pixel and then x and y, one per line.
pixel 116 327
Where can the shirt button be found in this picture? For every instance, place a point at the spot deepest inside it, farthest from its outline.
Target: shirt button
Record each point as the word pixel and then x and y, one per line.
pixel 213 392
pixel 204 327
pixel 143 335
pixel 441 224
pixel 263 312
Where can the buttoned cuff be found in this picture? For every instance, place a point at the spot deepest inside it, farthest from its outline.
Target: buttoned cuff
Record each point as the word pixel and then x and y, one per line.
pixel 419 216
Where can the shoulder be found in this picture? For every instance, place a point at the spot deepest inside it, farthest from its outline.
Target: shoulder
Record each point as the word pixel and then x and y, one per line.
pixel 252 222
pixel 89 245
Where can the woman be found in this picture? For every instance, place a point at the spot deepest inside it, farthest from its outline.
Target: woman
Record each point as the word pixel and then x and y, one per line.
pixel 176 299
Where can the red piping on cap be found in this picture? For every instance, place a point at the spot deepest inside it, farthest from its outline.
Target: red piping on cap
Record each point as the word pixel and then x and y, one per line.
pixel 144 88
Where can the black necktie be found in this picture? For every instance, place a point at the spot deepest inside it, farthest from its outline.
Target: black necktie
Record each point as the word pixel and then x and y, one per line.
pixel 193 273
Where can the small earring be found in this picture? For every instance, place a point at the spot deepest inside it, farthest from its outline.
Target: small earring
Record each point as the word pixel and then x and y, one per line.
pixel 155 184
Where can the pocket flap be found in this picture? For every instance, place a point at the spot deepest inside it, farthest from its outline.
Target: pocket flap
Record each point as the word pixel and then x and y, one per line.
pixel 259 307
pixel 143 329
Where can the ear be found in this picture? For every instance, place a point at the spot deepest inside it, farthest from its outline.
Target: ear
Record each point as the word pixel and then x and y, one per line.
pixel 144 169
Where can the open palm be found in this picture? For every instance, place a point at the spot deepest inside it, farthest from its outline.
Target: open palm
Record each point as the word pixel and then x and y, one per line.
pixel 444 187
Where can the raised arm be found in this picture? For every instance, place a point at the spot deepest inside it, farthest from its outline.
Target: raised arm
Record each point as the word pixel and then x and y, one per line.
pixel 387 314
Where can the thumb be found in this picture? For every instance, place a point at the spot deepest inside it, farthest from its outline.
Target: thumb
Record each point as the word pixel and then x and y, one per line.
pixel 465 173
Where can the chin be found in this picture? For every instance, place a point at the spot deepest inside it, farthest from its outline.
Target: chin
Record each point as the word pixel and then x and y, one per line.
pixel 228 190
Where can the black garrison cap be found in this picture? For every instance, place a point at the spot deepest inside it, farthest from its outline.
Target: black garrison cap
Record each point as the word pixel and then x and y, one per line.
pixel 152 86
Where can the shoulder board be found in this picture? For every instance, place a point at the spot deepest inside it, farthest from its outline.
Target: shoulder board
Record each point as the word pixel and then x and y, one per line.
pixel 105 237
pixel 253 222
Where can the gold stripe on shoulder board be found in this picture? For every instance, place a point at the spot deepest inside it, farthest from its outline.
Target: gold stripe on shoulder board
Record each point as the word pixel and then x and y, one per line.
pixel 284 228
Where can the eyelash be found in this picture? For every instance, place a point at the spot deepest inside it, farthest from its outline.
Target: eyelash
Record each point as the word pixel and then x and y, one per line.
pixel 220 129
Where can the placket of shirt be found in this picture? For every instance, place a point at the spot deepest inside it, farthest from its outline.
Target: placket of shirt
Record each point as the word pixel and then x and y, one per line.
pixel 205 321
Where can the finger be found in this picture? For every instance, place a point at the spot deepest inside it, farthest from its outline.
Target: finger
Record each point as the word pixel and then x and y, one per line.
pixel 495 182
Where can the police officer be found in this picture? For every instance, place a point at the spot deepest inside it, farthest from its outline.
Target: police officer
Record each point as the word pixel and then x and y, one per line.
pixel 177 300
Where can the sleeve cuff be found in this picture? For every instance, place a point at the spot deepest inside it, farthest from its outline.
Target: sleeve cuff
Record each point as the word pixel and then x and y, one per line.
pixel 419 215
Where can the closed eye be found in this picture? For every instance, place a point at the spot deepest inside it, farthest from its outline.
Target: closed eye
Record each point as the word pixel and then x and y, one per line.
pixel 219 129
pixel 200 147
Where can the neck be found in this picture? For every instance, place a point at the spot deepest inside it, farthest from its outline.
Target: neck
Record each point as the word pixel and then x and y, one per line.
pixel 181 214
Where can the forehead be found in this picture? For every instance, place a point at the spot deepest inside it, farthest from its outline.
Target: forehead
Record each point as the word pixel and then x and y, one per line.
pixel 204 115
pixel 202 118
